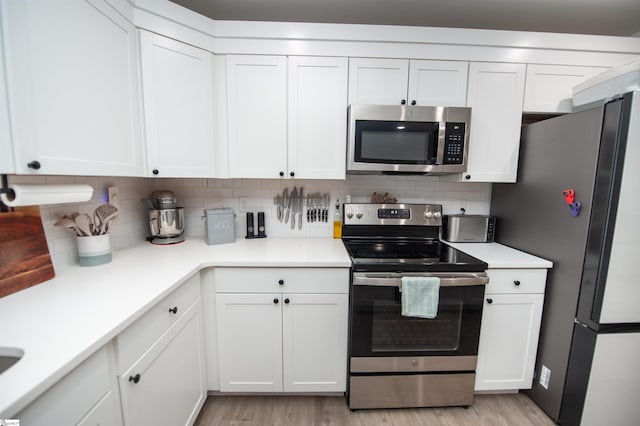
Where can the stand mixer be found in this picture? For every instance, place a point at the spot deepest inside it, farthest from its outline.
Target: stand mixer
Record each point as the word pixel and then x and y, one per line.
pixel 166 221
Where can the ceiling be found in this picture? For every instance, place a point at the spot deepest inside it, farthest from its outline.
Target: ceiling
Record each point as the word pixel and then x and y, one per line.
pixel 602 17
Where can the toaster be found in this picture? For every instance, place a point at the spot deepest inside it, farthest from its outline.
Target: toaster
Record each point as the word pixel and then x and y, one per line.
pixel 469 228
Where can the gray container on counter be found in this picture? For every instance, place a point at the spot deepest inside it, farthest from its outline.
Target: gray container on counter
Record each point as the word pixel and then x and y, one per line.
pixel 220 226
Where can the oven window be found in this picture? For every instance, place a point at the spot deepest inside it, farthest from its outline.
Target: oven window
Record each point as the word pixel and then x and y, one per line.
pixel 396 142
pixel 391 332
pixel 379 329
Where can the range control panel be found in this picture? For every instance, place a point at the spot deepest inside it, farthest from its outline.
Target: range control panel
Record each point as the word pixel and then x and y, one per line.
pixel 392 214
pixel 454 143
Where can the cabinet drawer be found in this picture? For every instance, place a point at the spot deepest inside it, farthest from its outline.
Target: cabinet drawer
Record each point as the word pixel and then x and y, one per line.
pixel 516 280
pixel 279 280
pixel 143 333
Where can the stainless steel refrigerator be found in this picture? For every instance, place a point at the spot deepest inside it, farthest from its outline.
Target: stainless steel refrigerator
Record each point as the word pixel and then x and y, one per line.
pixel 588 363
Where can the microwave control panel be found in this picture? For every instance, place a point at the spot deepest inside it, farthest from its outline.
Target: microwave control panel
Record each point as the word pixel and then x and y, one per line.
pixel 454 143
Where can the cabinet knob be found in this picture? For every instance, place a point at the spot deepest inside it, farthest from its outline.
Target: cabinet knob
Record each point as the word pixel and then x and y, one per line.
pixel 134 379
pixel 275 300
pixel 413 102
pixel 173 310
pixel 281 282
pixel 281 173
pixel 489 300
pixel 155 171
pixel 467 177
pixel 292 174
pixel 35 165
pixel 403 102
pixel 516 282
pixel 286 300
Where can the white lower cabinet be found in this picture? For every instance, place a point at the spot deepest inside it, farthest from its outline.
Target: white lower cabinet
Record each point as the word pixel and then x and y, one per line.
pixel 161 361
pixel 167 385
pixel 510 328
pixel 282 329
pixel 86 396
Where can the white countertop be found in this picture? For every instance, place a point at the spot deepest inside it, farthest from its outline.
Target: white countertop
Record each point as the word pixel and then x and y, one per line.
pixel 500 256
pixel 61 322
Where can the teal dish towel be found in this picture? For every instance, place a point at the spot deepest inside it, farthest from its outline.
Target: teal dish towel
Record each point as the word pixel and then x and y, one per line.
pixel 420 296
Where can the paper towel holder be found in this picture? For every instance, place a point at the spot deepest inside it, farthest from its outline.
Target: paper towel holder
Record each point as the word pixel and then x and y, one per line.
pixel 32 194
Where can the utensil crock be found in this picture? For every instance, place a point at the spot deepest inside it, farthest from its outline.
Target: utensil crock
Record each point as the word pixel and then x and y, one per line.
pixel 94 250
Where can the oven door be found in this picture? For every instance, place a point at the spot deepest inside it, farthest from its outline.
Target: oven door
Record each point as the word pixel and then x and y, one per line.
pixel 378 330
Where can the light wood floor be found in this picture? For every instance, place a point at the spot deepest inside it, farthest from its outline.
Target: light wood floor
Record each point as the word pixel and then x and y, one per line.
pixel 487 410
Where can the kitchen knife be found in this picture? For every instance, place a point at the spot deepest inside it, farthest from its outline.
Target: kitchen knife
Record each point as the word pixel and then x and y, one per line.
pixel 286 202
pixel 299 210
pixel 294 206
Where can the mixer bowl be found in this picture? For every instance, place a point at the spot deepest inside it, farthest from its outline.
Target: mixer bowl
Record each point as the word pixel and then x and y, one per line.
pixel 166 223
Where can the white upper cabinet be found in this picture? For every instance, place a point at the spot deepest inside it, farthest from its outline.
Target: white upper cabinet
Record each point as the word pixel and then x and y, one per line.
pixel 286 117
pixel 6 159
pixel 438 83
pixel 317 117
pixel 257 116
pixel 177 82
pixel 413 82
pixel 495 95
pixel 378 81
pixel 73 88
pixel 548 88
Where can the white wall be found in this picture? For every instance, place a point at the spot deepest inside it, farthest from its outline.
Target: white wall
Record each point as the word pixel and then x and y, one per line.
pixel 242 195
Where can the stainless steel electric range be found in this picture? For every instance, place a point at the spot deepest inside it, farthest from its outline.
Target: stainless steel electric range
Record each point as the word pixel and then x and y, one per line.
pixel 403 361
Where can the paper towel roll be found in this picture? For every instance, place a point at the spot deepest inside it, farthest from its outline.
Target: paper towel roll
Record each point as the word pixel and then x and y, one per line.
pixel 31 195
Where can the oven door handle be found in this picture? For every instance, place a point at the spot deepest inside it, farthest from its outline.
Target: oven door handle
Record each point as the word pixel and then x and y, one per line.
pixel 395 280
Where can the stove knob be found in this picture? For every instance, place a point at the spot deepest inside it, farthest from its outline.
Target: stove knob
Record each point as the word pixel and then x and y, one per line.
pixel 349 214
pixel 359 214
pixel 437 214
pixel 428 214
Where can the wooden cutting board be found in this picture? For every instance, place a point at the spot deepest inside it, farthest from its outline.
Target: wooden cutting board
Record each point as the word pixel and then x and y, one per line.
pixel 24 254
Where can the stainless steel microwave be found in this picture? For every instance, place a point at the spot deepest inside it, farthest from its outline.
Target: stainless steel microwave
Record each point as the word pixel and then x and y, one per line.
pixel 407 139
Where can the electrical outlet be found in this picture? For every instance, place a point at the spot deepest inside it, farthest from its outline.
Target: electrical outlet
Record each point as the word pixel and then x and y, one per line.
pixel 545 376
pixel 243 202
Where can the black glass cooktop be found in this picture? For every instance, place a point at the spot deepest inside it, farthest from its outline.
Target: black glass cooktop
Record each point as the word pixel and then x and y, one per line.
pixel 378 255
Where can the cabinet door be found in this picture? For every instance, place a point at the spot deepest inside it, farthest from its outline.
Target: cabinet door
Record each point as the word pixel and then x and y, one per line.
pixel 167 385
pixel 6 159
pixel 549 88
pixel 495 96
pixel 378 81
pixel 315 342
pixel 177 82
pixel 438 83
pixel 73 88
pixel 89 392
pixel 250 342
pixel 317 117
pixel 257 116
pixel 508 341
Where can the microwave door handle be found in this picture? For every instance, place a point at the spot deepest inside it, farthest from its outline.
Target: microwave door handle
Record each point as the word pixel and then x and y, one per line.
pixel 445 281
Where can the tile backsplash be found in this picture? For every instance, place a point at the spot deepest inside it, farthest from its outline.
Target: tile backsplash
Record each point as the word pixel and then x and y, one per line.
pixel 243 195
